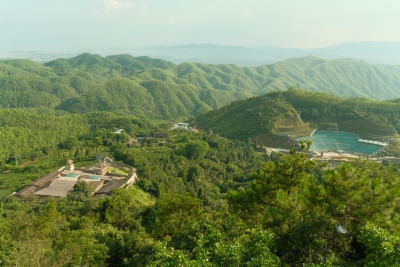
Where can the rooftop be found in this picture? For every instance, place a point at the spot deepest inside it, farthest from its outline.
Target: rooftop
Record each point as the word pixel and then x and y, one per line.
pixel 58 188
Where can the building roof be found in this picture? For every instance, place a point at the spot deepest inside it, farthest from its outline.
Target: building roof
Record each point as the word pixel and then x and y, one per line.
pixel 97 184
pixel 58 188
pixel 27 191
pixel 111 186
pixel 46 179
pixel 101 195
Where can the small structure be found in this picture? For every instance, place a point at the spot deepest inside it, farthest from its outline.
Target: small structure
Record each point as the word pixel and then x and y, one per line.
pixel 107 160
pixel 99 157
pixel 132 177
pixel 119 131
pixel 100 169
pixel 181 125
pixel 373 142
pixel 69 165
pixel 276 150
pixel 332 127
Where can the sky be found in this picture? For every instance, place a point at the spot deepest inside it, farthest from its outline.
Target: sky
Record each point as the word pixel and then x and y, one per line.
pixel 97 24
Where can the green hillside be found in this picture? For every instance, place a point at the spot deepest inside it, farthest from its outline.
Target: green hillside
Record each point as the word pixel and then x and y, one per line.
pixel 155 88
pixel 244 119
pixel 267 117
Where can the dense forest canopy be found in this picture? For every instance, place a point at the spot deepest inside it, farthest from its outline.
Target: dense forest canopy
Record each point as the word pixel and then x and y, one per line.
pixel 24 132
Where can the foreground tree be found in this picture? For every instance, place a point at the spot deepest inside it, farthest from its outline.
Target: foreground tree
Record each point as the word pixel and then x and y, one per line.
pixel 80 191
pixel 173 213
pixel 273 196
pixel 382 248
pixel 344 202
pixel 318 218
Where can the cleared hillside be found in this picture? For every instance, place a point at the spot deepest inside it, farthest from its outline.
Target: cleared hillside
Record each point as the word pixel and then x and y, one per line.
pixel 266 117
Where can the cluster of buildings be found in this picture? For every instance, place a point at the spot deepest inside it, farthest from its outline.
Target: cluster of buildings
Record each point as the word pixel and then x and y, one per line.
pixel 183 125
pixel 104 176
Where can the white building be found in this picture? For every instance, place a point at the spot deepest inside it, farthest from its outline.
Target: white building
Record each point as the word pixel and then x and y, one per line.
pixel 181 125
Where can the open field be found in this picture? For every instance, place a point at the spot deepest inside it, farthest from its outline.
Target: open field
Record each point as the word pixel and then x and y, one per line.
pixel 117 171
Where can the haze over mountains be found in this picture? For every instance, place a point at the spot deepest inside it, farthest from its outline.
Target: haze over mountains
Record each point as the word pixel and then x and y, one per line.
pixel 370 52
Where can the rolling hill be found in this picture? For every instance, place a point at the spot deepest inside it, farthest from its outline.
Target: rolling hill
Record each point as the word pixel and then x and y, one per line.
pixel 155 88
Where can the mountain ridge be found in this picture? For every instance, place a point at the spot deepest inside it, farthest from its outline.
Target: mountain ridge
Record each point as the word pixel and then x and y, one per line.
pixel 373 52
pixel 120 83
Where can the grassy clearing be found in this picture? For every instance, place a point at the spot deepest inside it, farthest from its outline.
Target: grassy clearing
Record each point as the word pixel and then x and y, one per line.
pixel 117 171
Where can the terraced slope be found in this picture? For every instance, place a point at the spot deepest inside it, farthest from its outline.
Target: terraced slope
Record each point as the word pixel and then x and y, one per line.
pixel 265 118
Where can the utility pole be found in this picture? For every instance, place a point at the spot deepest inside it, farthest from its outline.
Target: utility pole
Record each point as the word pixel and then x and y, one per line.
pixel 16 161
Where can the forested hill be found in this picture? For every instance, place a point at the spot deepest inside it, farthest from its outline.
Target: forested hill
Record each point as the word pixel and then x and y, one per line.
pixel 299 110
pixel 156 88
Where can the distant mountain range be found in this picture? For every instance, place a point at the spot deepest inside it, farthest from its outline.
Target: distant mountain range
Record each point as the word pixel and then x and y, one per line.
pixel 371 52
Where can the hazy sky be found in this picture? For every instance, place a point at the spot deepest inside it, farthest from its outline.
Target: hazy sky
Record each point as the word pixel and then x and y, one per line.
pixel 80 24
